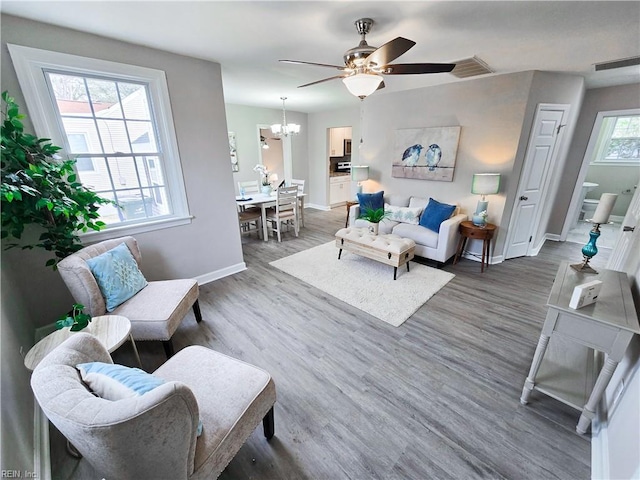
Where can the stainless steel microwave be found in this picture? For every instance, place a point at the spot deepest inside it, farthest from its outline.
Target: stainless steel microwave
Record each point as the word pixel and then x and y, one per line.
pixel 347 146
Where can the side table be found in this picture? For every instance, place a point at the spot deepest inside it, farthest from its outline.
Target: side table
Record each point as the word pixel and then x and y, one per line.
pixel 111 330
pixel 608 325
pixel 469 230
pixel 350 203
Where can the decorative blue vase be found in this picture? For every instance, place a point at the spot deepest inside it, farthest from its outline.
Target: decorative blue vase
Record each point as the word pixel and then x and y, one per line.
pixel 479 220
pixel 266 189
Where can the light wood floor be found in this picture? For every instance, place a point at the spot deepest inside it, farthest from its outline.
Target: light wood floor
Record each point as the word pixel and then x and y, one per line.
pixel 435 398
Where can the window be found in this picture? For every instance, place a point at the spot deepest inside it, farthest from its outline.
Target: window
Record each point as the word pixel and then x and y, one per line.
pixel 115 120
pixel 618 138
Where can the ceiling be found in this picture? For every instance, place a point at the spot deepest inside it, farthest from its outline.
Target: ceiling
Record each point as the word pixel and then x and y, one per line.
pixel 249 37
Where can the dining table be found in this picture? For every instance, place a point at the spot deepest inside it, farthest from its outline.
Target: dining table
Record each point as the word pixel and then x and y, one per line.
pixel 265 201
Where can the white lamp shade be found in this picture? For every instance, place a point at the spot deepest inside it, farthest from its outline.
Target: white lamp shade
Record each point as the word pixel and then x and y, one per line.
pixel 362 84
pixel 273 177
pixel 359 173
pixel 605 205
pixel 485 183
pixel 276 129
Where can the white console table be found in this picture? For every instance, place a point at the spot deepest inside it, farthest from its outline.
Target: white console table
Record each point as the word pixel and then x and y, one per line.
pixel 606 325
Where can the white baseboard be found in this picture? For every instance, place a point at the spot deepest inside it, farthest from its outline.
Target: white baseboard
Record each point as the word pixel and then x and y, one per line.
pixel 41 447
pixel 223 272
pixel 324 208
pixel 477 257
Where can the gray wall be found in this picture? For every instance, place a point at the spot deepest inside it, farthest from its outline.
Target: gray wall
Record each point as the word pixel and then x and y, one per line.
pixel 17 330
pixel 244 121
pixel 210 244
pixel 489 110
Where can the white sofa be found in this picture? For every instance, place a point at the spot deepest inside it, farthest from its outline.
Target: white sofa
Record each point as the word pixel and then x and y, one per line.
pixel 440 246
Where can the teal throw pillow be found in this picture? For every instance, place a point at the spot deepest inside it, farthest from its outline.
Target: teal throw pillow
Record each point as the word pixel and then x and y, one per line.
pixel 117 382
pixel 435 214
pixel 372 201
pixel 118 275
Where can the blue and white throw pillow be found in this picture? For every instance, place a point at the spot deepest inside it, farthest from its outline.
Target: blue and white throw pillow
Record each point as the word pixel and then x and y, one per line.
pixel 117 275
pixel 117 382
pixel 403 214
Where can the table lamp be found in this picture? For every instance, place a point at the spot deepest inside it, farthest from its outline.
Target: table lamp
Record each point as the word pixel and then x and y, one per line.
pixel 359 173
pixel 600 216
pixel 484 184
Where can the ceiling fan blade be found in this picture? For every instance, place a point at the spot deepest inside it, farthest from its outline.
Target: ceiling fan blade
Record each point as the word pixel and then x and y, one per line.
pixel 416 68
pixel 298 62
pixel 323 80
pixel 389 51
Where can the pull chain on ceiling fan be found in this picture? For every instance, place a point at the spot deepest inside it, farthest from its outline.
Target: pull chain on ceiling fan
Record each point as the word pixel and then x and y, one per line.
pixel 365 65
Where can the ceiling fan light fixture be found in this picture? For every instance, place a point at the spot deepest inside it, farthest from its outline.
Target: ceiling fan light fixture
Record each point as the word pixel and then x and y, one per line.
pixel 362 84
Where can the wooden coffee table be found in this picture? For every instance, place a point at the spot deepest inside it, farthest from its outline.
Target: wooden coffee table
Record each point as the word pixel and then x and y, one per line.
pixel 389 249
pixel 111 330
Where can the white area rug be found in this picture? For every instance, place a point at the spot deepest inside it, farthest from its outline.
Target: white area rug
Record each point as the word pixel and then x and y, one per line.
pixel 364 283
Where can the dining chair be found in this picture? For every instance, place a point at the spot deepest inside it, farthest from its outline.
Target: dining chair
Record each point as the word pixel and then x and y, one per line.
pixel 250 220
pixel 285 211
pixel 250 187
pixel 300 185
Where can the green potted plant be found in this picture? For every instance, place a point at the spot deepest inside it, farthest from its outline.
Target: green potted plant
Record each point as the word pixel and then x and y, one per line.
pixel 39 189
pixel 76 319
pixel 374 216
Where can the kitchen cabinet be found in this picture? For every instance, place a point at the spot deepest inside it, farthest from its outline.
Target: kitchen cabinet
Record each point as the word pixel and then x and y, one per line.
pixel 339 189
pixel 337 136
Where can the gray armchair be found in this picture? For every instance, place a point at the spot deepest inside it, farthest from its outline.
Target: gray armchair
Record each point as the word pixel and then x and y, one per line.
pixel 154 435
pixel 155 312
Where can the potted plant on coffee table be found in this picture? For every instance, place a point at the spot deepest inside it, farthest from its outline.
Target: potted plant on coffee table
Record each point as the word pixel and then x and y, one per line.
pixel 374 216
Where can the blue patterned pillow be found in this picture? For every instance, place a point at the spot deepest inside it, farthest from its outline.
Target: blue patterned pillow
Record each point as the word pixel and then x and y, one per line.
pixel 435 214
pixel 372 201
pixel 118 275
pixel 116 382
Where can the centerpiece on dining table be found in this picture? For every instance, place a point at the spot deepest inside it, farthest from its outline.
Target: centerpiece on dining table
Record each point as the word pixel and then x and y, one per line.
pixel 264 178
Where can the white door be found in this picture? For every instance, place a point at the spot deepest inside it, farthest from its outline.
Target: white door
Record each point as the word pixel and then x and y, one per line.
pixel 627 248
pixel 541 154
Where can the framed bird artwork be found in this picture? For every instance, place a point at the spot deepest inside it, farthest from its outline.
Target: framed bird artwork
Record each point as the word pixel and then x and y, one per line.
pixel 426 153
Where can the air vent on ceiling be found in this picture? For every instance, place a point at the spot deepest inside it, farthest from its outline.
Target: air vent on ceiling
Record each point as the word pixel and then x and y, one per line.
pixel 470 67
pixel 624 62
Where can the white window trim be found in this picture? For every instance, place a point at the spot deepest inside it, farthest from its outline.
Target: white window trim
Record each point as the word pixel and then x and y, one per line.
pixel 594 151
pixel 29 64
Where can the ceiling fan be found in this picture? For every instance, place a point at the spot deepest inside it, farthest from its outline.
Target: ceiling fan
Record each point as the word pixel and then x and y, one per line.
pixel 365 65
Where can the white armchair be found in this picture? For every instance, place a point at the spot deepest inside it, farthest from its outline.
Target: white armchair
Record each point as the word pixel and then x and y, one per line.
pixel 154 435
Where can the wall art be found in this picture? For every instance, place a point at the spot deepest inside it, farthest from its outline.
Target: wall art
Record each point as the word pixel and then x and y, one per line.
pixel 233 152
pixel 426 153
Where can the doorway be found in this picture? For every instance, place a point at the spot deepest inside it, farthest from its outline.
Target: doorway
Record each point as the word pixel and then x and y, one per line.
pixel 606 168
pixel 271 155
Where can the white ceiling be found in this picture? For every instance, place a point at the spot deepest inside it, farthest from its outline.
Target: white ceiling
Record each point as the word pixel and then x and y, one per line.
pixel 249 37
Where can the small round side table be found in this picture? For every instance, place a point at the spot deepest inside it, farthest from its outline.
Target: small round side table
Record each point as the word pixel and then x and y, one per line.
pixel 469 230
pixel 111 330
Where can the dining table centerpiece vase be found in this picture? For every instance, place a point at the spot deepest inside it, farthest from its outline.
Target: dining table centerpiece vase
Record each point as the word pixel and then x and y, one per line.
pixel 265 184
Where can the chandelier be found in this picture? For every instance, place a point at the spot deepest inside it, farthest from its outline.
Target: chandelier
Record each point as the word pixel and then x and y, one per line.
pixel 285 129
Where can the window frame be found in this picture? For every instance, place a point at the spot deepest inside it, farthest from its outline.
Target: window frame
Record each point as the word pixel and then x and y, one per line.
pixel 30 65
pixel 602 138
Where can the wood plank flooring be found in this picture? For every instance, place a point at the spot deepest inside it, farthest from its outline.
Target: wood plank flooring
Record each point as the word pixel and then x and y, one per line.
pixel 436 398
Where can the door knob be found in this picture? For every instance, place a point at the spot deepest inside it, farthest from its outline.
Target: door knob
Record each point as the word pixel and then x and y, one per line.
pixel 523 198
pixel 628 229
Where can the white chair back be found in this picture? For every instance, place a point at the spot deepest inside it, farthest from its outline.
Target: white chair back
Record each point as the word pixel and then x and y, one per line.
pixel 299 184
pixel 251 187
